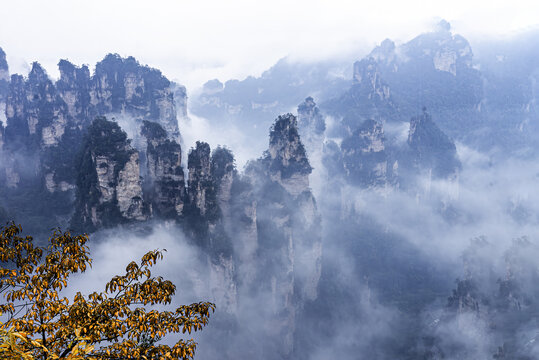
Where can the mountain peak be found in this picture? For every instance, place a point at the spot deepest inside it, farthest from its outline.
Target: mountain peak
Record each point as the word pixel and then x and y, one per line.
pixel 432 147
pixel 38 73
pixel 384 53
pixel 288 163
pixel 3 62
pixel 443 26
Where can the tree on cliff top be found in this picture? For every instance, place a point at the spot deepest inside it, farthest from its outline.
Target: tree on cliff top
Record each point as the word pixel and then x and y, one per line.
pixel 119 323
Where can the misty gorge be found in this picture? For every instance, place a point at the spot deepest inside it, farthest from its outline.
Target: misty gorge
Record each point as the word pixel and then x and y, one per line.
pixel 375 208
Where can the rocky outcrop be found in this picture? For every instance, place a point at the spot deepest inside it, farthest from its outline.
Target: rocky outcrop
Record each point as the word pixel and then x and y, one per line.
pixel 208 218
pixel 432 150
pixel 288 246
pixel 36 121
pixel 211 178
pixel 434 69
pixel 367 74
pixel 311 125
pixel 263 224
pixel 36 115
pixel 45 123
pixel 223 173
pixel 39 112
pixel 384 54
pixel 369 158
pixel 365 159
pixel 287 160
pixel 74 89
pixel 2 129
pixel 202 194
pixel 122 85
pixel 109 189
pixel 4 77
pixel 369 97
pixel 244 230
pixel 165 180
pixel 119 86
pixel 180 98
pixel 449 53
pixel 223 282
pixel 129 190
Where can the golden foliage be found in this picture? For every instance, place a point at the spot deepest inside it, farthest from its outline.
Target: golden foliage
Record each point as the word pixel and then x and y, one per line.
pixel 119 323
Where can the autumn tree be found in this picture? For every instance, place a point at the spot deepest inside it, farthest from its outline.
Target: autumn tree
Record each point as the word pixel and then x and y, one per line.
pixel 121 322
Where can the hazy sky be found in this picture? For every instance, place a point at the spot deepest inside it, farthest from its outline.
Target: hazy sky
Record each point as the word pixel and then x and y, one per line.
pixel 192 41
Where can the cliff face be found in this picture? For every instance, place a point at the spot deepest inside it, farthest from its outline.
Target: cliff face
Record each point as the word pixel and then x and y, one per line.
pixel 124 86
pixel 4 89
pixel 392 83
pixel 311 125
pixel 223 230
pixel 369 97
pixel 180 98
pixel 207 217
pixel 36 121
pixel 370 159
pixel 74 89
pixel 224 174
pixel 287 160
pixel 164 173
pixel 4 84
pixel 40 112
pixel 36 115
pixel 288 246
pixel 365 159
pixel 431 149
pixel 109 189
pixel 202 195
pixel 441 51
pixel 262 226
pixel 45 123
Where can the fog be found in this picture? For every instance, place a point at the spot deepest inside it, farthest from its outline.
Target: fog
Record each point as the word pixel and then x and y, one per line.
pixel 360 311
pixel 113 250
pixel 196 41
pixel 230 135
pixel 423 268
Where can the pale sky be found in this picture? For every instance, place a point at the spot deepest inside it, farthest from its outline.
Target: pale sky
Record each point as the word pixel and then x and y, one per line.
pixel 194 41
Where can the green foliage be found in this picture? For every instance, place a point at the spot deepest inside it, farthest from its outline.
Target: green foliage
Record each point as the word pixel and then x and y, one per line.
pixel 153 131
pixel 115 69
pixel 104 138
pixel 285 137
pixel 222 163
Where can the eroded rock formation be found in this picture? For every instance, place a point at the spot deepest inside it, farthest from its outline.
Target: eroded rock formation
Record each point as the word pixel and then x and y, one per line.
pixel 431 149
pixel 311 125
pixel 109 188
pixel 164 173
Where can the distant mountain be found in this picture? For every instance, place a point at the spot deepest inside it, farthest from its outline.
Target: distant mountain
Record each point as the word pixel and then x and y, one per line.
pixel 487 102
pixel 255 101
pixel 434 70
pixel 322 245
